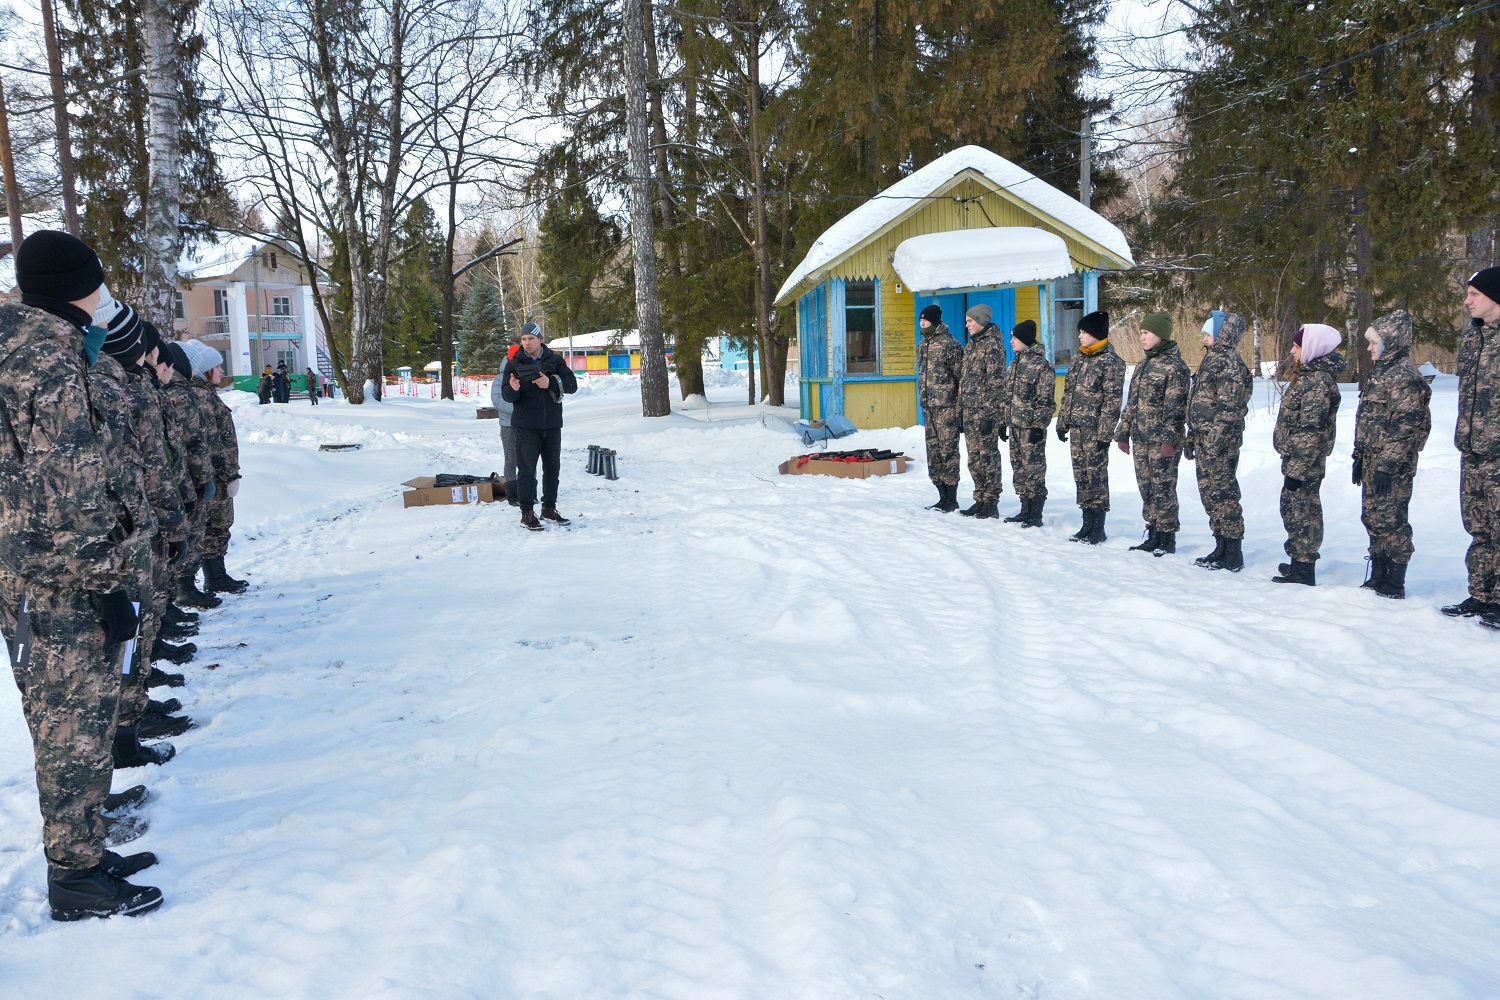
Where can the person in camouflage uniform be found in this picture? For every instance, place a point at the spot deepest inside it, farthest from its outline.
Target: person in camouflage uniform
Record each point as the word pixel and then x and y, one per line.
pixel 1305 431
pixel 1092 393
pixel 1152 431
pixel 193 423
pixel 980 386
pixel 1029 402
pixel 939 363
pixel 1217 405
pixel 64 604
pixel 1477 437
pixel 208 368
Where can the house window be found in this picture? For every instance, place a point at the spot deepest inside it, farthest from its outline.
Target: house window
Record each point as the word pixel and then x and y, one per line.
pixel 221 302
pixel 281 305
pixel 269 259
pixel 179 306
pixel 861 337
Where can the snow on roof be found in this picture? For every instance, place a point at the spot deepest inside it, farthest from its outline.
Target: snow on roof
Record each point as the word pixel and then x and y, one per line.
pixel 212 260
pixel 906 195
pixel 597 339
pixel 978 258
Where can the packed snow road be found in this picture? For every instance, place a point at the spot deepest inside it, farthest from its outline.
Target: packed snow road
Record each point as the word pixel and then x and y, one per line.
pixel 744 735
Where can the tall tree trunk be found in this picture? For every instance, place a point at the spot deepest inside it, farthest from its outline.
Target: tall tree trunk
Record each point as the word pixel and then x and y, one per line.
pixel 60 118
pixel 163 214
pixel 774 391
pixel 1364 300
pixel 8 169
pixel 445 344
pixel 386 225
pixel 655 398
pixel 1480 238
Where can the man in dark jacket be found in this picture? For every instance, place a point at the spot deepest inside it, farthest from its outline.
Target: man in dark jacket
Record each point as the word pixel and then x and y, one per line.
pixel 1217 404
pixel 534 382
pixel 981 383
pixel 1092 395
pixel 1026 409
pixel 1477 437
pixel 940 361
pixel 1153 429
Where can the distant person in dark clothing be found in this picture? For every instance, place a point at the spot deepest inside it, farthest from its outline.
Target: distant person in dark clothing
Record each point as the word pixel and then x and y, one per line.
pixel 281 386
pixel 534 382
pixel 312 386
pixel 266 386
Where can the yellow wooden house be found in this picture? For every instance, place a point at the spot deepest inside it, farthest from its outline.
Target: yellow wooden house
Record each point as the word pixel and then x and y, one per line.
pixel 971 227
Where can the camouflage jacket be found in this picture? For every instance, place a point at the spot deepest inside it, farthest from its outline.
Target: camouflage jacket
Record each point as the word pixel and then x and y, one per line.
pixel 223 442
pixel 1308 422
pixel 1220 396
pixel 1478 429
pixel 162 482
pixel 1030 389
pixel 193 424
pixel 61 525
pixel 982 384
pixel 940 361
pixel 176 449
pixel 110 396
pixel 1157 408
pixel 1395 414
pixel 1092 392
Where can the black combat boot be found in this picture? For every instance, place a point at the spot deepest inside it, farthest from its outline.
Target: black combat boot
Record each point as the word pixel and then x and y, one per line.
pixel 177 633
pixel 1393 584
pixel 123 867
pixel 1033 517
pixel 1470 607
pixel 216 578
pixel 173 654
pixel 94 892
pixel 177 616
pixel 1082 534
pixel 974 510
pixel 189 596
pixel 1097 535
pixel 529 521
pixel 1021 514
pixel 942 489
pixel 950 498
pixel 1166 544
pixel 1297 572
pixel 165 707
pixel 1233 558
pixel 551 514
pixel 1377 574
pixel 160 726
pixel 1211 561
pixel 129 752
pixel 130 799
pixel 1149 544
pixel 987 511
pixel 1492 619
pixel 160 678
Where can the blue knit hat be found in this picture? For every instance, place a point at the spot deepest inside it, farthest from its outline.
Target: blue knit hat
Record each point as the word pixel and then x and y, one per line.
pixel 1214 323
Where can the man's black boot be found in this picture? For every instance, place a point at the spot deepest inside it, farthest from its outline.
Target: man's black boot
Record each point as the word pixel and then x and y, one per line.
pixel 177 633
pixel 124 867
pixel 1166 543
pixel 160 678
pixel 1149 543
pixel 1211 561
pixel 1377 574
pixel 974 510
pixel 1033 517
pixel 173 654
pixel 160 726
pixel 216 578
pixel 1097 535
pixel 1021 515
pixel 94 892
pixel 1470 607
pixel 189 596
pixel 129 752
pixel 1393 584
pixel 1233 558
pixel 1298 572
pixel 949 503
pixel 1082 534
pixel 987 511
pixel 165 707
pixel 130 799
pixel 177 616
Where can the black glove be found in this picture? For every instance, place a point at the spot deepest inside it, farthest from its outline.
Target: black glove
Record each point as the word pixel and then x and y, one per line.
pixel 176 550
pixel 119 618
pixel 1062 432
pixel 958 423
pixel 1382 484
pixel 1189 452
pixel 987 427
pixel 1004 433
pixel 1293 484
pixel 1359 469
pixel 1102 444
pixel 1035 435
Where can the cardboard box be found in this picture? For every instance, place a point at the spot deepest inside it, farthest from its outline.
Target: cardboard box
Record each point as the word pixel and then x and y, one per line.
pixel 424 493
pixel 486 413
pixel 844 470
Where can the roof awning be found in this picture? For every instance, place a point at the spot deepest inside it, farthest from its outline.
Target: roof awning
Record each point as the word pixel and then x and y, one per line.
pixel 981 258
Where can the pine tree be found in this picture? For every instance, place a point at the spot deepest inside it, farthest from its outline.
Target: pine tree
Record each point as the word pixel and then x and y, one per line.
pixel 483 332
pixel 416 303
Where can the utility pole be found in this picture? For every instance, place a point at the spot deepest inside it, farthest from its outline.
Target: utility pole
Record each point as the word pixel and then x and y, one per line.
pixel 8 166
pixel 60 117
pixel 1085 174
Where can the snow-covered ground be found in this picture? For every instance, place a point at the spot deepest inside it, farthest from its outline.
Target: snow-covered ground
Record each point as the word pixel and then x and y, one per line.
pixel 743 735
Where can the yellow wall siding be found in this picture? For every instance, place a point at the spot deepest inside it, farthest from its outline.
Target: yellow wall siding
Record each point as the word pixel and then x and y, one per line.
pixel 815 402
pixel 880 404
pixel 898 330
pixel 1028 306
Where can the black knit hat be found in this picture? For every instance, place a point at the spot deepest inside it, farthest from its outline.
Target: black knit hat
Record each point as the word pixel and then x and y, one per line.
pixel 57 265
pixel 151 338
pixel 1488 283
pixel 932 313
pixel 1025 332
pixel 122 336
pixel 180 360
pixel 1096 325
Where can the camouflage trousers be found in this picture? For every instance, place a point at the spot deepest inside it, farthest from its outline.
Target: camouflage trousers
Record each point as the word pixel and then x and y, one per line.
pixel 1156 478
pixel 942 445
pixel 984 458
pixel 1090 469
pixel 146 560
pixel 1479 492
pixel 196 525
pixel 1218 461
pixel 1028 464
pixel 69 683
pixel 217 523
pixel 1386 518
pixel 1302 516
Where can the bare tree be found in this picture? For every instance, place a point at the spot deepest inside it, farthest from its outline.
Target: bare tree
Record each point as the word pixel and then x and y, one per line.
pixel 655 398
pixel 161 21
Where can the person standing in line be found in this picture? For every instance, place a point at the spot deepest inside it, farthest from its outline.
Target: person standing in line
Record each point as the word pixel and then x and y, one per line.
pixel 1152 431
pixel 1391 427
pixel 1028 404
pixel 1092 393
pixel 940 362
pixel 224 457
pixel 311 379
pixel 535 381
pixel 195 425
pixel 1306 428
pixel 980 387
pixel 504 410
pixel 1217 405
pixel 281 385
pixel 1477 436
pixel 64 604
